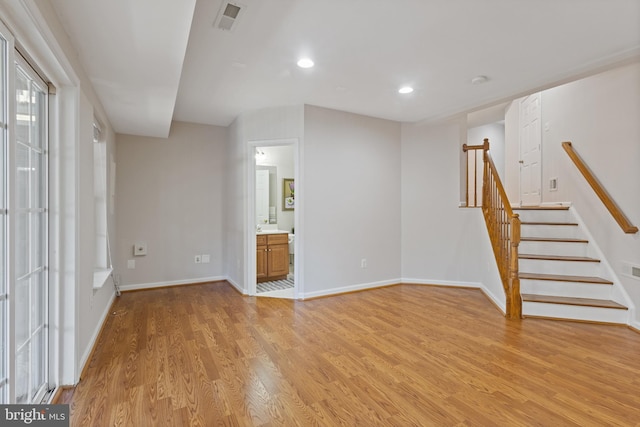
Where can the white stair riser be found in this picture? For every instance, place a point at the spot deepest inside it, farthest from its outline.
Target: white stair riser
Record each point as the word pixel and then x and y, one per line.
pixel 565 289
pixel 553 248
pixel 567 268
pixel 567 231
pixel 571 268
pixel 562 311
pixel 544 215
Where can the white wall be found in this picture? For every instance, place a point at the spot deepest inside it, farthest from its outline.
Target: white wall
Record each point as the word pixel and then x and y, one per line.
pixel 495 133
pixel 269 124
pixel 274 123
pixel 92 304
pixel 236 207
pixel 599 115
pixel 442 243
pixel 282 157
pixel 512 151
pixel 262 126
pixel 475 136
pixel 77 312
pixel 352 201
pixel 170 195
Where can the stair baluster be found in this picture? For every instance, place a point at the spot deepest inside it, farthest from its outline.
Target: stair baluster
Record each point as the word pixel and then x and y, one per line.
pixel 504 231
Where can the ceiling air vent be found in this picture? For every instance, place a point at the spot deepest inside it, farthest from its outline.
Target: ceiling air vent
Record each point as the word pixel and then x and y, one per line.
pixel 228 15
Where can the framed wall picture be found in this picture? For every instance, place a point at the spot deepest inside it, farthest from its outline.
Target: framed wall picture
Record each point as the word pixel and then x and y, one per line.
pixel 288 194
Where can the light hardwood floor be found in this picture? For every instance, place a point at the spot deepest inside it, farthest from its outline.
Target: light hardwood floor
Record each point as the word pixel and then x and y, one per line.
pixel 403 355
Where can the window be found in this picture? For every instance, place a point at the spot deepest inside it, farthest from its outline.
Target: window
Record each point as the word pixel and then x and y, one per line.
pixel 102 264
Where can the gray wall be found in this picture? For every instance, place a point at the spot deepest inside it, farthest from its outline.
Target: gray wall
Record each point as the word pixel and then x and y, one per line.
pixel 442 243
pixel 352 201
pixel 170 195
pixel 269 124
pixel 599 115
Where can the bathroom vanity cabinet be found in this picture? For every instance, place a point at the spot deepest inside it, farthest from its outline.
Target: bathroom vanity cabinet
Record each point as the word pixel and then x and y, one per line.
pixel 272 257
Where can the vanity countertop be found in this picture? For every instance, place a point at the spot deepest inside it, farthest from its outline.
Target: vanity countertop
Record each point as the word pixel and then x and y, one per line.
pixel 271 232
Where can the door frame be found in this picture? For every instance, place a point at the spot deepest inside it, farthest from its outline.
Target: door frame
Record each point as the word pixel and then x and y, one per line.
pixel 250 270
pixel 521 133
pixel 17 60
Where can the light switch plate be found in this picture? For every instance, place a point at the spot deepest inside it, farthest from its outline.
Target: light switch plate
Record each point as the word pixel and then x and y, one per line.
pixel 206 258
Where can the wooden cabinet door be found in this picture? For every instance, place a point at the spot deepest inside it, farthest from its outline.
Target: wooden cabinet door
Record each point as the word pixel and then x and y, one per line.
pixel 261 261
pixel 278 260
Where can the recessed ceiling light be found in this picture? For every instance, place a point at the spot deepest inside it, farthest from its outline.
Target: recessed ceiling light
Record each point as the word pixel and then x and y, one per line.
pixel 405 89
pixel 305 63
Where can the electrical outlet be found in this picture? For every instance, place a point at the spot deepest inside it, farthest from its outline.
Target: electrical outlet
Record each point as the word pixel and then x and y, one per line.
pixel 363 263
pixel 198 259
pixel 140 249
pixel 206 258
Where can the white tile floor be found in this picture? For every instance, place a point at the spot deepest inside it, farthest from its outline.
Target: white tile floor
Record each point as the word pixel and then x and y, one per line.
pixel 282 293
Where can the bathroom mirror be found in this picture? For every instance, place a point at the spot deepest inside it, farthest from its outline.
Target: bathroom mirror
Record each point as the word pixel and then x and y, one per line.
pixel 266 194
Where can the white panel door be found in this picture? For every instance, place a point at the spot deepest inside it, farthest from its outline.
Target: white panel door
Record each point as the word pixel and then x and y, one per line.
pixel 530 151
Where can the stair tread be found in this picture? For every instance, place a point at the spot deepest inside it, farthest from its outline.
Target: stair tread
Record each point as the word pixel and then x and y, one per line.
pixel 557 257
pixel 564 278
pixel 587 302
pixel 540 208
pixel 548 223
pixel 553 239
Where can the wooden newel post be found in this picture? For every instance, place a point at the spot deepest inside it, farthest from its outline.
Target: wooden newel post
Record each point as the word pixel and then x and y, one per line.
pixel 514 300
pixel 485 150
pixel 485 174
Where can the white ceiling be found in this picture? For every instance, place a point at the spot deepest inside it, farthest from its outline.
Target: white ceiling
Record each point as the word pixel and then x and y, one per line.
pixel 132 51
pixel 145 73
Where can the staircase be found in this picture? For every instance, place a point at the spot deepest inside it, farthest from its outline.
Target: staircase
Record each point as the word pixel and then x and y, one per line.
pixel 561 272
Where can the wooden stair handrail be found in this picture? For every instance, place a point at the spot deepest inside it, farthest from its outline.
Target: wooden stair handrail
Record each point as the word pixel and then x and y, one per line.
pixel 499 186
pixel 604 196
pixel 504 231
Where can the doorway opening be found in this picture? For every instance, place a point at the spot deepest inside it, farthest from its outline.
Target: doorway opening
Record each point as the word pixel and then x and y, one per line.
pixel 25 249
pixel 272 218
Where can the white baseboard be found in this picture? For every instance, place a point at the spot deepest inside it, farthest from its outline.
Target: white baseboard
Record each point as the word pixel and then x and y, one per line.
pixel 94 337
pixel 544 204
pixel 351 288
pixel 235 285
pixel 551 204
pixel 171 283
pixel 500 303
pixel 410 281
